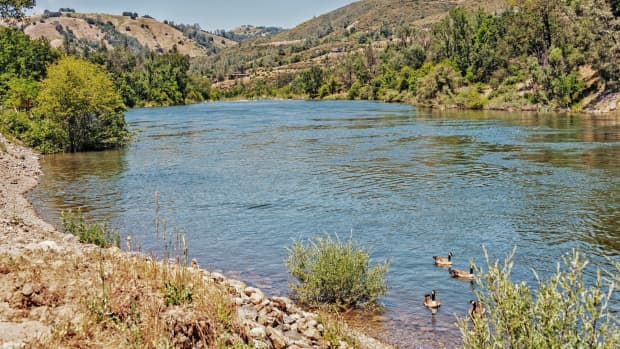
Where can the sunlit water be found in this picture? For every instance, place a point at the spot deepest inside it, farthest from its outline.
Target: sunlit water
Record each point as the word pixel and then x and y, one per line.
pixel 243 180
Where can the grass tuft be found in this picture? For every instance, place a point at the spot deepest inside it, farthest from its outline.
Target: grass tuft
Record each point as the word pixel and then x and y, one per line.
pixel 98 234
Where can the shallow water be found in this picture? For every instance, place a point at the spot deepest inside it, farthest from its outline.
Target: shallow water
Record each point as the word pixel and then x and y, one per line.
pixel 242 180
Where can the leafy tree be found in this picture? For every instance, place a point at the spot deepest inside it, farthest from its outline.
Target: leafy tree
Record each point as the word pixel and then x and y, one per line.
pixel 80 97
pixel 21 93
pixel 14 8
pixel 22 57
pixel 165 79
pixel 309 81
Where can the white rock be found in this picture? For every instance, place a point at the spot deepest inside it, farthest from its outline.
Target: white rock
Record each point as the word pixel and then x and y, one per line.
pixel 48 245
pixel 258 332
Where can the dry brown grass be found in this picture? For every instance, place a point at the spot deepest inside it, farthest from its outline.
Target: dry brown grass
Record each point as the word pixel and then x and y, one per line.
pixel 106 299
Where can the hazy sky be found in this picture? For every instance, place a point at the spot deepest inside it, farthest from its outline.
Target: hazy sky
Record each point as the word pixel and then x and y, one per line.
pixel 210 14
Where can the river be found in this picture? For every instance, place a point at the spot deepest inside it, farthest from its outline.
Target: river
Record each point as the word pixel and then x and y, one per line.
pixel 242 180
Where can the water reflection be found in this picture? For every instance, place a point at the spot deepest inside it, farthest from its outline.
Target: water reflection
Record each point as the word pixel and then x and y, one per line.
pixel 244 179
pixel 88 181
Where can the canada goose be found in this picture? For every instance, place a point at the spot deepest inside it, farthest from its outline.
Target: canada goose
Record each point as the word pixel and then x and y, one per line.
pixel 431 301
pixel 477 309
pixel 443 261
pixel 462 274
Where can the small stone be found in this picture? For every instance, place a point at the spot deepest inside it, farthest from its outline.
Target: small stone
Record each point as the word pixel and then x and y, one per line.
pixel 256 298
pixel 258 344
pixel 217 277
pixel 312 333
pixel 27 290
pixel 247 312
pixel 236 286
pixel 258 332
pixel 320 328
pixel 311 323
pixel 48 245
pixel 302 344
pixel 251 290
pixel 288 319
pixel 281 302
pixel 277 338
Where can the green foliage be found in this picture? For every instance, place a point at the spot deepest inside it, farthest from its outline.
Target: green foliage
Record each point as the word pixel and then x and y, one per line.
pixel 442 79
pixel 98 234
pixel 567 89
pixel 21 93
pixel 309 82
pixel 14 8
pixel 39 133
pixel 562 312
pixel 471 97
pixel 334 272
pixel 177 293
pixel 80 97
pixel 21 57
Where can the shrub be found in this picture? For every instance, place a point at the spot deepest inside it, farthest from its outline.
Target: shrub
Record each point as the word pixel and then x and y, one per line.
pixel 177 293
pixel 562 312
pixel 443 79
pixel 98 234
pixel 333 272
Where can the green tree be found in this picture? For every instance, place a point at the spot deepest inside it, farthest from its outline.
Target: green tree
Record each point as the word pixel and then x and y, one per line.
pixel 80 97
pixel 14 8
pixel 21 57
pixel 309 81
pixel 21 93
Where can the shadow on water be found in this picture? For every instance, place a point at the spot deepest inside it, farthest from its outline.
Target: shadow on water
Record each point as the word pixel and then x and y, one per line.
pixel 243 180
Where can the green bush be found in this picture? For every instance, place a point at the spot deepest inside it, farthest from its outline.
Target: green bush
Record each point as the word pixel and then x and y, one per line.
pixel 98 234
pixel 562 312
pixel 42 134
pixel 177 293
pixel 334 272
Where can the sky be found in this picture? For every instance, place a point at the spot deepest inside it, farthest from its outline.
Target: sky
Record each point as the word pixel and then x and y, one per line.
pixel 210 14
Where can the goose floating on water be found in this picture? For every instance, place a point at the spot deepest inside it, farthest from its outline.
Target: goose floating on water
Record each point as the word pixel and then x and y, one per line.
pixel 431 301
pixel 443 261
pixel 462 274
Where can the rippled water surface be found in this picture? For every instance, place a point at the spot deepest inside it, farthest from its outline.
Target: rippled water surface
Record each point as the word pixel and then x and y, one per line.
pixel 244 179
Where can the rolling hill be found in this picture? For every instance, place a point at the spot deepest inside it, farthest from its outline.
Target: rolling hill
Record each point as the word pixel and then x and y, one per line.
pixel 91 30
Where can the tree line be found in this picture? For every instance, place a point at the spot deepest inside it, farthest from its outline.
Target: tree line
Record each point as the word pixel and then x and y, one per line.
pixel 535 53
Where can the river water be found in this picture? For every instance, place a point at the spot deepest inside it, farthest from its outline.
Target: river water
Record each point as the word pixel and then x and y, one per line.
pixel 242 180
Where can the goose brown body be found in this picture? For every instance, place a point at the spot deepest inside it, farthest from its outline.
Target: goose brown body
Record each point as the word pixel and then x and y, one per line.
pixel 443 261
pixel 462 274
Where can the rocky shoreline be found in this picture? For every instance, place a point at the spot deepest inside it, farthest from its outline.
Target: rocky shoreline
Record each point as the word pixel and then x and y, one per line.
pixel 34 303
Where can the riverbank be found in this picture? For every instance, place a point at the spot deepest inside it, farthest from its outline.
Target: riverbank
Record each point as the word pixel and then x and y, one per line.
pixel 55 291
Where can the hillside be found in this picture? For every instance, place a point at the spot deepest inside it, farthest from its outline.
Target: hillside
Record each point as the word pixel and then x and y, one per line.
pixel 371 15
pixel 325 40
pixel 90 30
